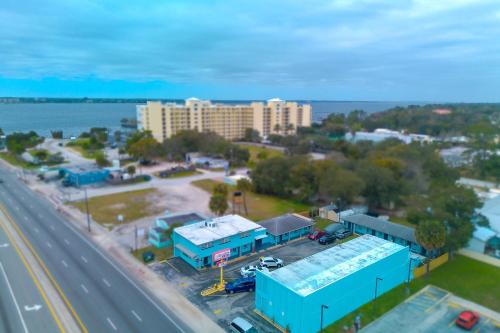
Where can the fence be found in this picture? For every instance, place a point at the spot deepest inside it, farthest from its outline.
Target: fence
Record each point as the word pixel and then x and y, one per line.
pixel 429 266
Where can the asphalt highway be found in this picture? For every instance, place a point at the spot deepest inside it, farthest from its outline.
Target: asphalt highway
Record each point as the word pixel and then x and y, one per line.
pixel 23 303
pixel 101 296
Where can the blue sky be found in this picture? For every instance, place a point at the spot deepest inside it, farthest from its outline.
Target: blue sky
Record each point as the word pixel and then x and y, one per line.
pixel 418 50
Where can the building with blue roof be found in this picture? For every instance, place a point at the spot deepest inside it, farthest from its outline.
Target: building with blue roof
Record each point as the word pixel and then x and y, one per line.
pixel 343 278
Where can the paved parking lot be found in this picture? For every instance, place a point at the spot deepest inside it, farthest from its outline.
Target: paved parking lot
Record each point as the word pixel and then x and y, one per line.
pixel 433 310
pixel 223 308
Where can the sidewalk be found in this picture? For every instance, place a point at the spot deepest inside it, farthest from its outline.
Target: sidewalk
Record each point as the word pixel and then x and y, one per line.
pixel 481 257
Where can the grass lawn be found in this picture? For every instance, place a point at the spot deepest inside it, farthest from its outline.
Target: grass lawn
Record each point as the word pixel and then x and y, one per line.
pixel 465 277
pixel 87 153
pixel 16 160
pixel 132 205
pixel 260 206
pixel 160 254
pixel 254 151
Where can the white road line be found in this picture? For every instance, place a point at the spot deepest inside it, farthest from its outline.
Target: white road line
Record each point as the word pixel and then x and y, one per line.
pixel 66 241
pixel 137 316
pixel 84 289
pixel 106 282
pixel 14 298
pixel 84 259
pixel 111 323
pixel 49 245
pixel 124 275
pixel 64 263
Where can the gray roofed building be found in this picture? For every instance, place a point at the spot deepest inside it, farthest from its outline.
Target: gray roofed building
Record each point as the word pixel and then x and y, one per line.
pixel 383 226
pixel 283 224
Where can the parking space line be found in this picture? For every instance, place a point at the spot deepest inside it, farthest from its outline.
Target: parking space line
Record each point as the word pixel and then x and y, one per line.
pixel 111 323
pixel 23 323
pixel 136 316
pixel 176 269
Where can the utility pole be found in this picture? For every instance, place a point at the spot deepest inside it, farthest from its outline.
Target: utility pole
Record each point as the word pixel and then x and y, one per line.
pixel 87 207
pixel 135 233
pixel 376 289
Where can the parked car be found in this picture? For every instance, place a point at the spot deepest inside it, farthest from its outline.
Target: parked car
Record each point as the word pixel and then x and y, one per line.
pixel 249 271
pixel 270 262
pixel 467 319
pixel 240 325
pixel 343 233
pixel 239 285
pixel 316 234
pixel 333 228
pixel 327 239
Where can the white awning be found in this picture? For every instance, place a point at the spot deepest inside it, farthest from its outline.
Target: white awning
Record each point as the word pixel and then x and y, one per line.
pixel 260 237
pixel 186 251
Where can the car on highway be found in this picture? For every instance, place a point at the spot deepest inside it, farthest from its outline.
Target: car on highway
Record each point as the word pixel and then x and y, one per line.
pixel 269 262
pixel 249 271
pixel 327 239
pixel 240 325
pixel 240 285
pixel 467 319
pixel 343 233
pixel 316 234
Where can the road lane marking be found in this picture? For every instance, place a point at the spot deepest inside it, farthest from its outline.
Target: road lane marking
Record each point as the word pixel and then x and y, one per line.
pixel 35 307
pixel 45 269
pixel 64 263
pixel 14 299
pixel 84 259
pixel 137 316
pixel 106 282
pixel 66 241
pixel 111 323
pixel 84 289
pixel 49 245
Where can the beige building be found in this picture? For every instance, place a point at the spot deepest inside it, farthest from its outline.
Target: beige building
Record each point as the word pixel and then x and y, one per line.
pixel 228 120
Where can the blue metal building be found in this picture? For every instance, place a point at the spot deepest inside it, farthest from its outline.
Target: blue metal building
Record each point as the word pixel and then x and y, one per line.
pixel 157 233
pixel 78 176
pixel 362 224
pixel 197 242
pixel 343 278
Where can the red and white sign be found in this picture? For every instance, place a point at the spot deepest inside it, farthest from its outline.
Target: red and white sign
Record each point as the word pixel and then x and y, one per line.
pixel 221 255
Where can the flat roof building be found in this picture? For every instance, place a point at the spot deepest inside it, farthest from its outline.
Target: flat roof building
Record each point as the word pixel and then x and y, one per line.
pixel 343 277
pixel 228 120
pixel 195 243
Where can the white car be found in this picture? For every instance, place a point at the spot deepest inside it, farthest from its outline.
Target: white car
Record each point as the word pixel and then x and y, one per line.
pixel 249 271
pixel 270 262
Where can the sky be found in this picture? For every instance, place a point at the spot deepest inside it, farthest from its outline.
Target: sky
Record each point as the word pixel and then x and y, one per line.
pixel 380 50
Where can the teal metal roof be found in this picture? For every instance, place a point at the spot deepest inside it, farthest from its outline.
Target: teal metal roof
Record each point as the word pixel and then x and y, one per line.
pixel 321 269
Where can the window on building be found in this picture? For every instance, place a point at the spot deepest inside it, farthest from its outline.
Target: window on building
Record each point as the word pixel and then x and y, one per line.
pixel 225 240
pixel 245 234
pixel 207 245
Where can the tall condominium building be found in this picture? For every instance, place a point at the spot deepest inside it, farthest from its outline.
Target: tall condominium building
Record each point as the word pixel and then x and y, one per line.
pixel 228 120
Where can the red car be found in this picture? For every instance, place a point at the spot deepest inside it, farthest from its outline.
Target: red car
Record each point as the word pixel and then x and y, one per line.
pixel 316 234
pixel 467 319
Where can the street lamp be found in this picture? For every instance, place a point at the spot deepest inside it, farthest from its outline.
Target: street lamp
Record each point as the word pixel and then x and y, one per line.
pixel 376 286
pixel 87 208
pixel 323 306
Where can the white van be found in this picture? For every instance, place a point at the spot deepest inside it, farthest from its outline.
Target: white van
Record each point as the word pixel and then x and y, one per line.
pixel 240 325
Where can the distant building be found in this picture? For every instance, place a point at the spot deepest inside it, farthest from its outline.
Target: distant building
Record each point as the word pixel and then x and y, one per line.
pixel 197 242
pixel 481 238
pixel 233 180
pixel 491 210
pixel 343 278
pixel 455 157
pixel 157 233
pixel 382 134
pixel 332 213
pixel 206 162
pixel 228 120
pixel 78 176
pixel 284 228
pixel 364 224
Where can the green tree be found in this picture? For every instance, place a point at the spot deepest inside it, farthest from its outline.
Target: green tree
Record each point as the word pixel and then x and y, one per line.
pixel 131 170
pixel 101 160
pixel 251 135
pixel 145 149
pixel 218 204
pixel 341 184
pixel 431 234
pixel 277 128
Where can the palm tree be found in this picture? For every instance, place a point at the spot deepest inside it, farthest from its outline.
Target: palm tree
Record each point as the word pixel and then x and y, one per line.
pixel 277 128
pixel 244 185
pixel 218 204
pixel 288 128
pixel 431 234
